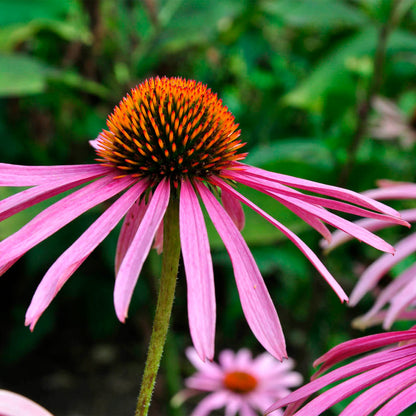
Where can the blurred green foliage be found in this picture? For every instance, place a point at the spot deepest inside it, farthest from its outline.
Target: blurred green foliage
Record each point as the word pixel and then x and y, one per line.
pixel 295 73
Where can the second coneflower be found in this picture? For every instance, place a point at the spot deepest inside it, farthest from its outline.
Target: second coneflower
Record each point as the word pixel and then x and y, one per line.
pixel 172 142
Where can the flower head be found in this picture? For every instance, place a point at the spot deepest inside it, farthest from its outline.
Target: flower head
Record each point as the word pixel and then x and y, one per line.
pixel 397 299
pixel 388 375
pixel 13 404
pixel 240 383
pixel 390 123
pixel 171 138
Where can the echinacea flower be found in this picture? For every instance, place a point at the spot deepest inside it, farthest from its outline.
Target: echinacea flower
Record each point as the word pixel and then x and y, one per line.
pixel 240 383
pixel 13 404
pixel 388 377
pixel 396 300
pixel 173 138
pixel 390 123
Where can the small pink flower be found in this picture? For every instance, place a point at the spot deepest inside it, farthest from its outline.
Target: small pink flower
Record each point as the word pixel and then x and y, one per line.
pixel 173 138
pixel 388 375
pixel 397 300
pixel 240 383
pixel 13 404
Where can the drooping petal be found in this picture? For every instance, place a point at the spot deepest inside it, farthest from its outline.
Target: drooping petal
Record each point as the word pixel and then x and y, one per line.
pixel 330 190
pixel 373 274
pixel 234 209
pixel 18 175
pixel 75 255
pixel 310 219
pixel 400 302
pixel 32 196
pixel 255 300
pixel 199 272
pixel 394 191
pixel 358 346
pixel 128 230
pixel 374 367
pixel 274 188
pixel 385 296
pixel 211 402
pixel 339 237
pixel 372 398
pixel 139 249
pixel 347 388
pixel 58 215
pixel 347 226
pixel 399 403
pixel 13 404
pixel 293 237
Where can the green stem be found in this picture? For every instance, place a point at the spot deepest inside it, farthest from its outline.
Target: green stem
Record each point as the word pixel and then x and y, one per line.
pixel 171 252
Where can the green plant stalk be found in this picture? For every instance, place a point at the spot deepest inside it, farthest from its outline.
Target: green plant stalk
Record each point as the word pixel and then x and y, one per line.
pixel 171 252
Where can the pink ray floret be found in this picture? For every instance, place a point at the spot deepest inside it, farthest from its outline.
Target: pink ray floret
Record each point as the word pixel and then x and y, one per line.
pixel 13 404
pixel 173 138
pixel 397 300
pixel 385 380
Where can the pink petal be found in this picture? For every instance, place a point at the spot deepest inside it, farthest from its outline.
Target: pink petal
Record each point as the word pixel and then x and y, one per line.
pixel 339 237
pixel 128 230
pixel 347 388
pixel 199 272
pixel 378 394
pixel 59 214
pixel 211 402
pixel 349 227
pixel 17 175
pixel 389 292
pixel 139 249
pixel 360 345
pixel 373 274
pixel 13 404
pixel 373 368
pixel 266 186
pixel 32 196
pixel 255 300
pixel 399 403
pixel 400 302
pixel 75 255
pixel 234 209
pixel 312 220
pixel 398 191
pixel 317 187
pixel 293 237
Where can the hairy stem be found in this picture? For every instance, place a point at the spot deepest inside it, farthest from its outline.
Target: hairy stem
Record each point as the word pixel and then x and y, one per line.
pixel 171 252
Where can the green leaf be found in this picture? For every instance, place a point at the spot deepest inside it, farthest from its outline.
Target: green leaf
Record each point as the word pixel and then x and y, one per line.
pixel 13 35
pixel 21 75
pixel 319 14
pixel 332 74
pixel 24 11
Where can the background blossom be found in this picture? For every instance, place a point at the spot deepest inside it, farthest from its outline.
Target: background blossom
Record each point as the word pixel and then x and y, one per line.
pixel 242 384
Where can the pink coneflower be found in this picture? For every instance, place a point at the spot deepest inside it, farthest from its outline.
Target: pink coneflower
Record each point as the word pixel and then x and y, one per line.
pixel 397 300
pixel 240 383
pixel 173 139
pixel 13 404
pixel 390 123
pixel 389 377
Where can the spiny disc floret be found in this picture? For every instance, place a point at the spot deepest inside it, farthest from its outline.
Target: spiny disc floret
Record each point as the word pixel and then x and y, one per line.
pixel 170 128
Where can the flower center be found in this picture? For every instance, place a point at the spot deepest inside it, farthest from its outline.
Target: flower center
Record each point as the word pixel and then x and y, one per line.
pixel 240 382
pixel 170 127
